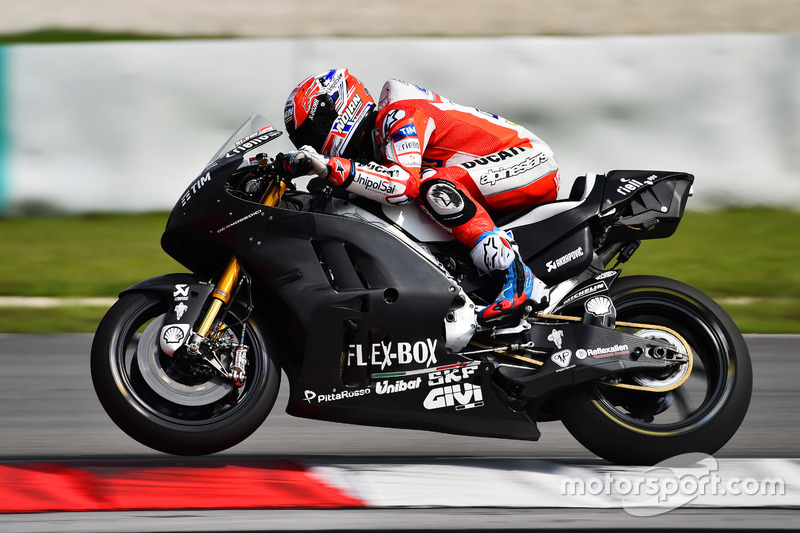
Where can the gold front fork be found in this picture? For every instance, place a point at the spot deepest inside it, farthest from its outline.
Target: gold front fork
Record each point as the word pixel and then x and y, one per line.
pixel 230 277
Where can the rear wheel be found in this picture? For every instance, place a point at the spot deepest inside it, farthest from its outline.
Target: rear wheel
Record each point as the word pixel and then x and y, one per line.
pixel 168 403
pixel 637 427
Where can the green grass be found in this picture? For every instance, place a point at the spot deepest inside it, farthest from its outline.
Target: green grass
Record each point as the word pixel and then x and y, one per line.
pixel 97 255
pixel 735 252
pixel 55 35
pixel 54 320
pixel 745 258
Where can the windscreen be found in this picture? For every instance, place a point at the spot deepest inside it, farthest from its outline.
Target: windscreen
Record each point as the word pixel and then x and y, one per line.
pixel 255 132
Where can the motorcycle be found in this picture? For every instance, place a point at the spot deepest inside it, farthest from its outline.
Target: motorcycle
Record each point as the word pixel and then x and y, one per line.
pixel 370 311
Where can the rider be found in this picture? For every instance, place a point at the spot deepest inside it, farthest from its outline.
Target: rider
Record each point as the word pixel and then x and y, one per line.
pixel 461 164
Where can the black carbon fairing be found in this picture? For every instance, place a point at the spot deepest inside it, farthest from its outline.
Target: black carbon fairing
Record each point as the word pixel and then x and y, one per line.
pixel 363 313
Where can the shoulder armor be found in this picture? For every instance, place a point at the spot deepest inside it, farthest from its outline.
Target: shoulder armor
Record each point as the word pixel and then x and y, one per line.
pixel 397 90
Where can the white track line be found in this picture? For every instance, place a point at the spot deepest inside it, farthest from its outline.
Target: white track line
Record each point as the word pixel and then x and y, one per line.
pixel 545 484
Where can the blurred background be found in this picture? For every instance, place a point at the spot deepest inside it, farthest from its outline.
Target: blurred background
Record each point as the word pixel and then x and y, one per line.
pixel 108 109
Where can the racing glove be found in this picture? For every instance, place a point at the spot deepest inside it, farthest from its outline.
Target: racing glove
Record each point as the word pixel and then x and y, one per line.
pixel 306 161
pixel 336 170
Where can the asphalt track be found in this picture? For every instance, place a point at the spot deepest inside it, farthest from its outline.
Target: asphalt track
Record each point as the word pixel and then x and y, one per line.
pixel 51 414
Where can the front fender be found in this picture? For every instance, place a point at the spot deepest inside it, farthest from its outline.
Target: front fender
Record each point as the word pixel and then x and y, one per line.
pixel 186 295
pixel 167 283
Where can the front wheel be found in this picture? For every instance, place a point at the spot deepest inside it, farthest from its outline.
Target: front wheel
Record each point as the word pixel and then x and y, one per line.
pixel 170 404
pixel 637 427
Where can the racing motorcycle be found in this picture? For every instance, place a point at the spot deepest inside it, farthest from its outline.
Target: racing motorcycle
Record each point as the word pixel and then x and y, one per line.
pixel 370 311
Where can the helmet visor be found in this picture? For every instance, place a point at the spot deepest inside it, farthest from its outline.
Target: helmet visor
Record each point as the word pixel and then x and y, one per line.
pixel 315 129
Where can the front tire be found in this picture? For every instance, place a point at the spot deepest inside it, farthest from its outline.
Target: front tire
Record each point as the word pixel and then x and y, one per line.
pixel 636 427
pixel 169 407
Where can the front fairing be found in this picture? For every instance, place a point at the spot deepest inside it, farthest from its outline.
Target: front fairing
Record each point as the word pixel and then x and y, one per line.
pixel 197 233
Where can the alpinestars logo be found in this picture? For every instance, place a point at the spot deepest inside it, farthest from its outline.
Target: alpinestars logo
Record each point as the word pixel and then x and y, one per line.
pixel 445 199
pixel 392 117
pixel 491 178
pixel 496 255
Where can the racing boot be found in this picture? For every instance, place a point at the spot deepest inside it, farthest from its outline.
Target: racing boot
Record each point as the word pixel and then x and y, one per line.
pixel 494 253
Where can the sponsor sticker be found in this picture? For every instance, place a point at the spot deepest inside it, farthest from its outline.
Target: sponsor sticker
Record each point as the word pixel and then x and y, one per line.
pixel 313 397
pixel 556 337
pixel 404 132
pixel 390 353
pixel 564 259
pixel 597 287
pixel 181 292
pixel 419 371
pixel 493 158
pixel 172 337
pixel 410 144
pixel 400 385
pixel 452 375
pixel 529 163
pixel 461 396
pixel 194 187
pixel 599 306
pixel 350 113
pixel 629 185
pixel 609 351
pixel 562 358
pixel 180 310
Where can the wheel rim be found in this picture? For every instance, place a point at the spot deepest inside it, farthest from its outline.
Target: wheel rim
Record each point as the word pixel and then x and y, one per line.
pixel 160 390
pixel 696 401
pixel 670 378
pixel 159 373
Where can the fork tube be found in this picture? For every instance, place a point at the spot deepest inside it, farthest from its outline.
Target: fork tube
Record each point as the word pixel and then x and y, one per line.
pixel 222 294
pixel 273 193
pixel 227 282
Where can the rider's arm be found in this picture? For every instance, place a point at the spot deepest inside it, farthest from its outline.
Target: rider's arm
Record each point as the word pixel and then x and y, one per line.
pixel 400 139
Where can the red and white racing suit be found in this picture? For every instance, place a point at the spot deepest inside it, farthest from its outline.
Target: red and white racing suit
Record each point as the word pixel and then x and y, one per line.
pixel 463 165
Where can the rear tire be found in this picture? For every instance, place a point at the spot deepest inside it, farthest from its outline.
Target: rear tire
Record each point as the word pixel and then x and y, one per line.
pixel 164 405
pixel 635 427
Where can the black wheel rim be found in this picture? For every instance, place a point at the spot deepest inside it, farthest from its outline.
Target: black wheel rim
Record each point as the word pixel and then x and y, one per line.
pixel 124 362
pixel 698 400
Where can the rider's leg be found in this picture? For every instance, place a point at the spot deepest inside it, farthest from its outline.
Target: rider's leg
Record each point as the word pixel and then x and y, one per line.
pixel 451 205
